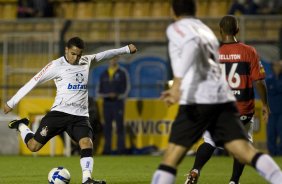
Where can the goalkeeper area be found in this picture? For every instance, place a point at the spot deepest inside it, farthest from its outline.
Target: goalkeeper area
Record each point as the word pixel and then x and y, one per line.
pixel 118 169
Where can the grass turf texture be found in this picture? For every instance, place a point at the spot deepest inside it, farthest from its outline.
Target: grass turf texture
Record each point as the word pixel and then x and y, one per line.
pixel 117 169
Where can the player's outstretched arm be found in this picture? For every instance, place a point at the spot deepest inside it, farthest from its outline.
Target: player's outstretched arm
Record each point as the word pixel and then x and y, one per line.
pixel 261 88
pixel 47 73
pixel 7 109
pixel 108 54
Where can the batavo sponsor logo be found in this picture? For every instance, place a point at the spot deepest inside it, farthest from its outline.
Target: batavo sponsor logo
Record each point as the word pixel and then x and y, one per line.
pixel 77 86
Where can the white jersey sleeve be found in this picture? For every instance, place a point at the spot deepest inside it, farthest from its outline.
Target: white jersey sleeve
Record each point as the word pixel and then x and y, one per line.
pixel 111 53
pixel 179 67
pixel 46 74
pixel 108 54
pixel 183 49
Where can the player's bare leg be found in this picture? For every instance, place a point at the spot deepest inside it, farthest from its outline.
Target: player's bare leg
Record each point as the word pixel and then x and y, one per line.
pixel 33 145
pixel 174 155
pixel 243 151
pixel 26 134
pixel 166 172
pixel 86 161
pixel 85 143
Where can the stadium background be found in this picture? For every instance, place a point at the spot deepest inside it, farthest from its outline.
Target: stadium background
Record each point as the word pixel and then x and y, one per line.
pixel 26 45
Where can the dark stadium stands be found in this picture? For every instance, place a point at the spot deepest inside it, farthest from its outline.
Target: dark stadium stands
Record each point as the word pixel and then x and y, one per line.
pixel 116 8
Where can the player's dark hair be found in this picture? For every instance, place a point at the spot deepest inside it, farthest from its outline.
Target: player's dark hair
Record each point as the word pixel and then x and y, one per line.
pixel 229 25
pixel 184 7
pixel 75 41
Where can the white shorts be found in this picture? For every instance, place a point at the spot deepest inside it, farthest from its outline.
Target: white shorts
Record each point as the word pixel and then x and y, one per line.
pixel 249 127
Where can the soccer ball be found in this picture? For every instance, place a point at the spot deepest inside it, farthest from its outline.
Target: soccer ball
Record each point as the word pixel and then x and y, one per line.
pixel 59 175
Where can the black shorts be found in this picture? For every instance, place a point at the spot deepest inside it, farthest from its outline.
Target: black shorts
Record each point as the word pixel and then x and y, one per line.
pixel 221 120
pixel 55 122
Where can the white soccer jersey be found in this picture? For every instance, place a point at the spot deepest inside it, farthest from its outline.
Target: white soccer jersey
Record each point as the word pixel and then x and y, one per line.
pixel 71 82
pixel 193 50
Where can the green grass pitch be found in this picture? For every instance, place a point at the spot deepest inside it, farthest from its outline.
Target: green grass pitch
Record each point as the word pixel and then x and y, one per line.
pixel 117 169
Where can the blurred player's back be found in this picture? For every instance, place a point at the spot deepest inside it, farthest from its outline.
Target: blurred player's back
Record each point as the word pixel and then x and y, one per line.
pixel 203 76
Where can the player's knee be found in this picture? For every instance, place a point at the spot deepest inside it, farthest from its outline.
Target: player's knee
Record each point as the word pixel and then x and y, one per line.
pixel 174 155
pixel 34 146
pixel 85 142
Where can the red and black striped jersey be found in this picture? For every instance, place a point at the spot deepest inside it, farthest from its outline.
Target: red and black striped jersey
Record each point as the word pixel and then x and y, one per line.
pixel 241 65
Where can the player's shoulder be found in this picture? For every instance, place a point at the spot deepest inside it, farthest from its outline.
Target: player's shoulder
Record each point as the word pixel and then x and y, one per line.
pixel 86 59
pixel 59 61
pixel 241 48
pixel 249 52
pixel 247 48
pixel 170 30
pixel 183 29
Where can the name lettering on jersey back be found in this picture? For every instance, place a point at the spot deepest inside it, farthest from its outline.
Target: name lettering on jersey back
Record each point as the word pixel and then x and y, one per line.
pixel 39 75
pixel 77 86
pixel 229 56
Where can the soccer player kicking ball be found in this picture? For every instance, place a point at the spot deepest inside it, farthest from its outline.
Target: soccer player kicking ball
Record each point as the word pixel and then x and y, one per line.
pixel 205 100
pixel 70 110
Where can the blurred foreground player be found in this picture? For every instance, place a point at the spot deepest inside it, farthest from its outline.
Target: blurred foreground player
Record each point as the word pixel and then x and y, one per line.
pixel 243 71
pixel 205 100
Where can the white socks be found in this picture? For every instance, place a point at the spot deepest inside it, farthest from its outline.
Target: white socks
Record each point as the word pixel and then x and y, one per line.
pixel 264 164
pixel 86 164
pixel 24 130
pixel 267 168
pixel 163 177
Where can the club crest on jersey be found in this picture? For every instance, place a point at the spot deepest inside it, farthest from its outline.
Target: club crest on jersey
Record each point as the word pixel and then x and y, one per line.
pixel 79 77
pixel 44 131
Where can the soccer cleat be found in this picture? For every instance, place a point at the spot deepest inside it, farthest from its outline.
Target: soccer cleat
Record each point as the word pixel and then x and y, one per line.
pixel 192 177
pixel 233 182
pixel 15 123
pixel 91 181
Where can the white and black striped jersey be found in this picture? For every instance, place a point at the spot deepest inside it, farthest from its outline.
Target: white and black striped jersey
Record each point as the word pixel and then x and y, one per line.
pixel 193 50
pixel 70 80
